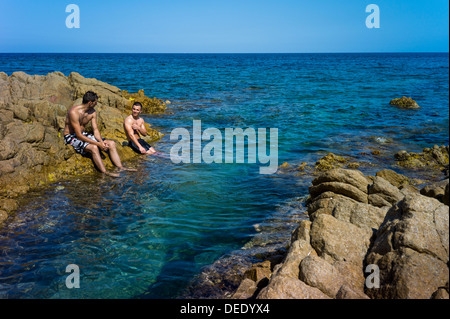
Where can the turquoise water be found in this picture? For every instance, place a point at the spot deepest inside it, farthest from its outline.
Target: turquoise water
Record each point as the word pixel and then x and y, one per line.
pixel 148 234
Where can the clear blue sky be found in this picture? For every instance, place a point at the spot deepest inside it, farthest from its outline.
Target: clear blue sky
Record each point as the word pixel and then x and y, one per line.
pixel 213 26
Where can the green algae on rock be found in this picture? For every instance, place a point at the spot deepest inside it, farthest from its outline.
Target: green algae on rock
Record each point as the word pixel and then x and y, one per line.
pixel 323 164
pixel 331 161
pixel 405 103
pixel 434 158
pixel 149 105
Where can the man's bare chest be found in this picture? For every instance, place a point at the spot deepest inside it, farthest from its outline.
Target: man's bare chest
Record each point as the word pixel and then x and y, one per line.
pixel 137 122
pixel 85 118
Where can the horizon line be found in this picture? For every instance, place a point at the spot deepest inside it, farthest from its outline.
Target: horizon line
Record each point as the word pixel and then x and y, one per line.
pixel 339 52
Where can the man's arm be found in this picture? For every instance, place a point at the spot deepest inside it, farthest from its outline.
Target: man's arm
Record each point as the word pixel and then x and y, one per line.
pixel 95 130
pixel 103 146
pixel 140 128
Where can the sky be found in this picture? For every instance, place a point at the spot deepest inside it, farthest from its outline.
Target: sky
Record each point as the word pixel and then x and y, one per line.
pixel 224 26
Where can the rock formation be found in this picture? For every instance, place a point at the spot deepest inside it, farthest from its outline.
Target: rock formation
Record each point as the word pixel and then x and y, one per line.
pixel 32 114
pixel 149 105
pixel 324 164
pixel 358 221
pixel 405 103
pixel 435 158
pixel 411 250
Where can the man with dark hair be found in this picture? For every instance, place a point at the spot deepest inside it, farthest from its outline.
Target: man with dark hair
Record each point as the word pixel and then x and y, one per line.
pixel 134 128
pixel 89 96
pixel 84 143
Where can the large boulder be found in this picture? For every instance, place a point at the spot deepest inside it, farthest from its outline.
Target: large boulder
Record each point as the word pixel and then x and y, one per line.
pixel 352 177
pixel 436 190
pixel 290 288
pixel 347 209
pixel 396 179
pixel 329 238
pixel 316 272
pixel 108 94
pixel 382 193
pixel 445 199
pixel 412 249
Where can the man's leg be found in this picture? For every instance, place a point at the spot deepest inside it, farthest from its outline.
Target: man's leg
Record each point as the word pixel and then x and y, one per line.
pixel 94 151
pixel 150 151
pixel 114 155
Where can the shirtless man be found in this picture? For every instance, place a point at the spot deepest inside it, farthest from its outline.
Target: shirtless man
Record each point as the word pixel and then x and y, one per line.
pixel 84 143
pixel 134 128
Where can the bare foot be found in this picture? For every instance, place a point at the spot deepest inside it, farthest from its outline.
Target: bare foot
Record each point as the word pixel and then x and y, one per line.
pixel 111 174
pixel 161 154
pixel 128 169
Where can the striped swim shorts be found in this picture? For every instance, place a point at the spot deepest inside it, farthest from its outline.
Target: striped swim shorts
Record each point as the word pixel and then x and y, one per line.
pixel 78 145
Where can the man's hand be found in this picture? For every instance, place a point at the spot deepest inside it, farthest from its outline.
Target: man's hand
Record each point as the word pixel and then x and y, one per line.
pixel 142 150
pixel 104 146
pixel 136 127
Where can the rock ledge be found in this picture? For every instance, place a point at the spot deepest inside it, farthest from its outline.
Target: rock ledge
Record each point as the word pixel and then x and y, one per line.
pixel 32 115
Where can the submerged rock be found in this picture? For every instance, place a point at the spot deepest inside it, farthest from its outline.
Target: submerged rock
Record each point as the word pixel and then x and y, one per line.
pixel 330 161
pixel 431 158
pixel 323 164
pixel 32 115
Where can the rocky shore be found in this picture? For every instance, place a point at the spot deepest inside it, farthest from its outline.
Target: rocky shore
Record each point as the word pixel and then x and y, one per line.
pixel 383 236
pixel 32 114
pixel 367 237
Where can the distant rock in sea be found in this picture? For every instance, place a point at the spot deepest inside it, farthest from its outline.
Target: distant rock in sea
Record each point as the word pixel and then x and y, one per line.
pixel 405 103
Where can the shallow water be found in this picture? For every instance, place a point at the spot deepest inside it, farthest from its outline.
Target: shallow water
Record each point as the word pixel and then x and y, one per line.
pixel 148 234
pixel 144 234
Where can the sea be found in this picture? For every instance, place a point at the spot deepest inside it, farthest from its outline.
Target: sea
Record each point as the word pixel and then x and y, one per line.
pixel 154 232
